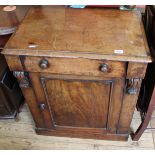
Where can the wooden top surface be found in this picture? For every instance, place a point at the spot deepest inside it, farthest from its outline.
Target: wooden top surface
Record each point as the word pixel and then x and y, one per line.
pixel 93 33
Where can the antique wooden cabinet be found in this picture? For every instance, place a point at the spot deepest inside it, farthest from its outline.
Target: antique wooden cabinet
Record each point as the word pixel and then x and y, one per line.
pixel 80 70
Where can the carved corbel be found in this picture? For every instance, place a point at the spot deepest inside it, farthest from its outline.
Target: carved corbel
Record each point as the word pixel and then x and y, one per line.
pixel 23 79
pixel 133 86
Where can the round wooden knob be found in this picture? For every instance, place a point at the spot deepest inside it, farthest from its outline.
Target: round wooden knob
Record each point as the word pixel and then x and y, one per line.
pixel 43 64
pixel 104 68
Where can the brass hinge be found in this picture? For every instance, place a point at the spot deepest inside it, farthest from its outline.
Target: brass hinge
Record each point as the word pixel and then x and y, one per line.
pixel 23 78
pixel 133 86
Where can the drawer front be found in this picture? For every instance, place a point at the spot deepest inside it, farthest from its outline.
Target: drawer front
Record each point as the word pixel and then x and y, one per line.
pixel 75 66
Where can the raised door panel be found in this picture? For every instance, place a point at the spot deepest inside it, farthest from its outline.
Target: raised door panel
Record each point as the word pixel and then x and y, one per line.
pixel 78 106
pixel 78 103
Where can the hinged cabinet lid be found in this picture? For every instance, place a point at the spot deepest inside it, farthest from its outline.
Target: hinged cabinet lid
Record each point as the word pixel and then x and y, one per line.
pixel 92 33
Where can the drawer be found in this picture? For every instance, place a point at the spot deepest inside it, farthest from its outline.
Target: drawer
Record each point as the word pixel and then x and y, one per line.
pixel 75 66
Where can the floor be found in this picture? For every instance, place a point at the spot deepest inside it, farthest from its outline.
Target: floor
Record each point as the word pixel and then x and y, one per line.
pixel 20 134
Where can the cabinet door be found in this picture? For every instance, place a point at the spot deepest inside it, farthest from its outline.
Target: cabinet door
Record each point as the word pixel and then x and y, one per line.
pixel 76 104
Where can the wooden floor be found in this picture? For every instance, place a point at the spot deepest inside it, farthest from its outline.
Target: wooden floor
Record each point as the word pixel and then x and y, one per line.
pixel 20 134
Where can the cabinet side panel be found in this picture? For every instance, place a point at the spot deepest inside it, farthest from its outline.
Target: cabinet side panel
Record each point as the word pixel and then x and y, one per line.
pixel 134 71
pixel 133 83
pixel 129 103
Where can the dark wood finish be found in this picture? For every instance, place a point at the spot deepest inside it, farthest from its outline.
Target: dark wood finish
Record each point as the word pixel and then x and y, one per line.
pixel 74 133
pixel 14 63
pixel 128 107
pixel 72 105
pixel 31 100
pixel 68 34
pixel 136 70
pixel 41 99
pixel 79 86
pixel 77 66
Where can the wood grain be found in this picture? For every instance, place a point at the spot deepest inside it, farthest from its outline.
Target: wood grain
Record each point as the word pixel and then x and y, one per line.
pixel 75 66
pixel 32 103
pixel 116 105
pixel 41 99
pixel 73 97
pixel 79 108
pixel 136 70
pixel 78 103
pixel 128 107
pixel 14 63
pixel 67 30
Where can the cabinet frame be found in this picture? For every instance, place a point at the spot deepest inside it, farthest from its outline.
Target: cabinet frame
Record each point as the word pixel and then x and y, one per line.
pixel 126 108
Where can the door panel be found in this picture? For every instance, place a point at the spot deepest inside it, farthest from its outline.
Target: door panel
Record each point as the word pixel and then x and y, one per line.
pixel 78 103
